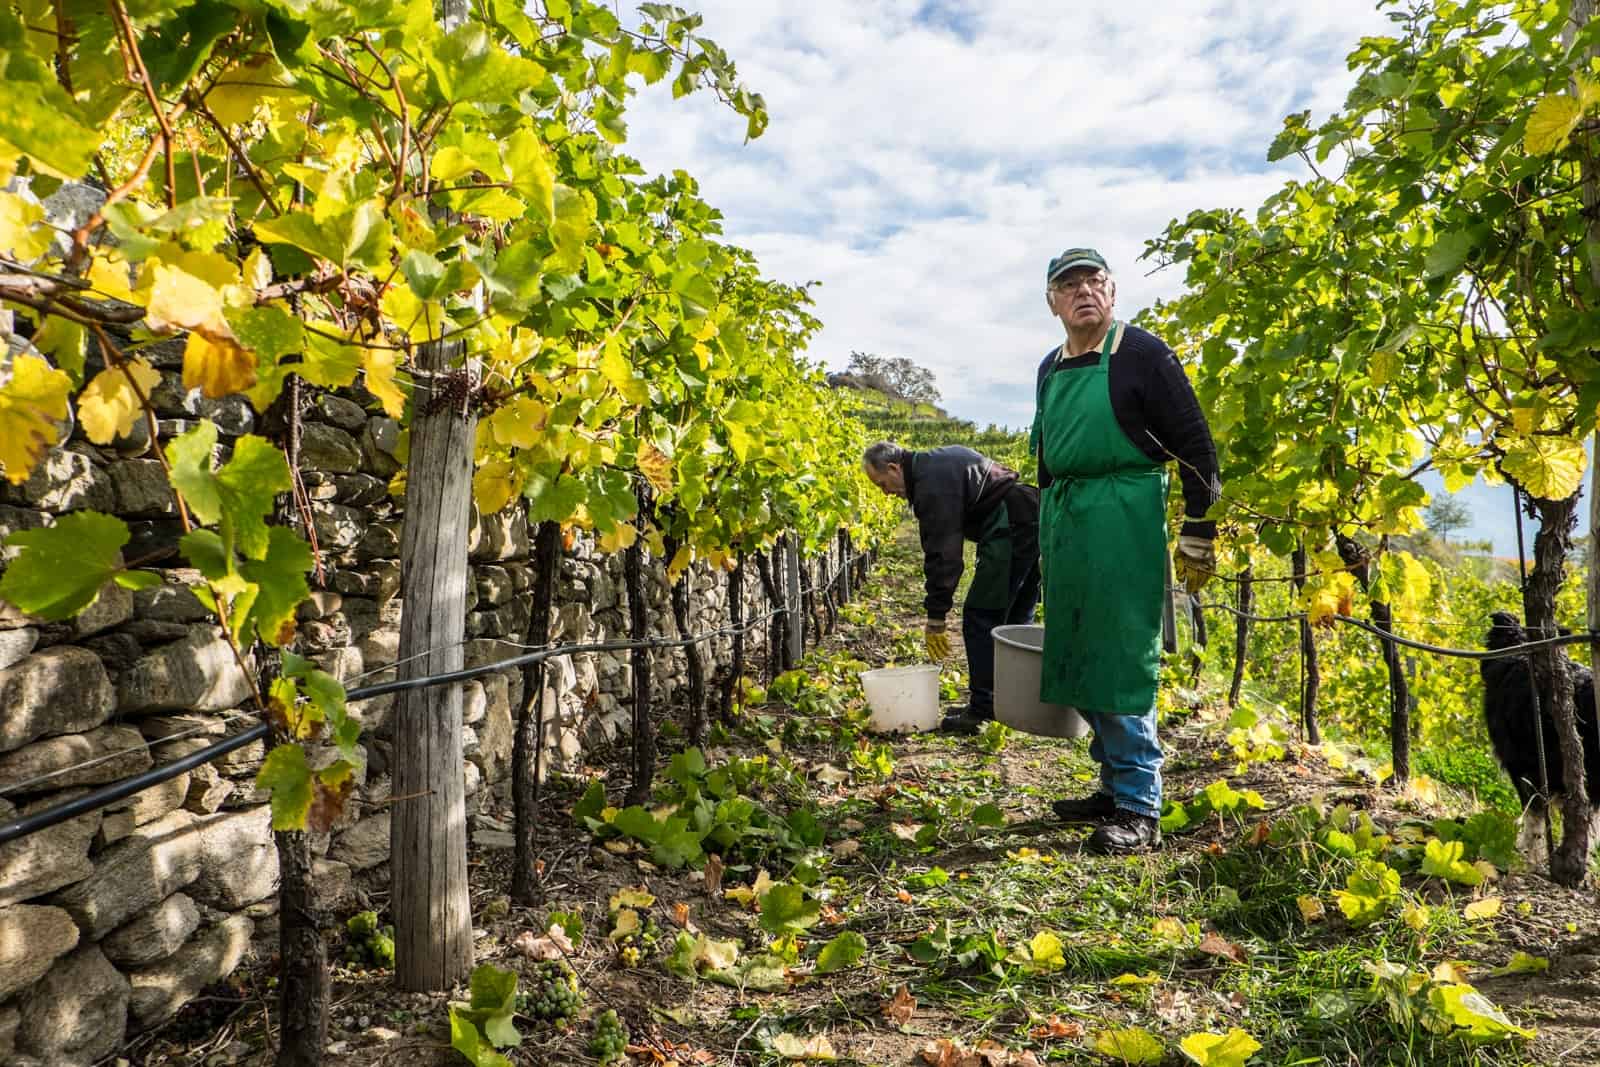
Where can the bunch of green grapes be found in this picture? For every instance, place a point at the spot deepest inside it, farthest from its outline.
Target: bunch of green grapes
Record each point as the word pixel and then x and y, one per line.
pixel 368 945
pixel 553 994
pixel 610 1040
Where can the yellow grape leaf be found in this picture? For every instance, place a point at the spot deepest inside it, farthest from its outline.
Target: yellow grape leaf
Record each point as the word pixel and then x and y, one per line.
pixel 1415 916
pixel 217 367
pixel 21 235
pixel 108 273
pixel 1450 971
pixel 618 539
pixel 1169 929
pixel 381 382
pixel 1135 1045
pixel 1333 595
pixel 680 563
pixel 1220 1050
pixel 815 1047
pixel 519 423
pixel 1487 908
pixel 236 94
pixel 1523 419
pixel 655 466
pixel 30 404
pixel 178 300
pixel 1046 951
pixel 627 924
pixel 494 484
pixel 1131 979
pixel 1551 124
pixel 631 897
pixel 1385 365
pixel 1311 908
pixel 109 405
pixel 1550 468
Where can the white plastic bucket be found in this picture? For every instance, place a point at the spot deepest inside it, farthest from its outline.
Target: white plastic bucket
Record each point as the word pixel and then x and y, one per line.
pixel 1018 656
pixel 902 698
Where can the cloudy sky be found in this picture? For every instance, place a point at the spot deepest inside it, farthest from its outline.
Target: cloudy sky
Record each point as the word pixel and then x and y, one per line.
pixel 926 158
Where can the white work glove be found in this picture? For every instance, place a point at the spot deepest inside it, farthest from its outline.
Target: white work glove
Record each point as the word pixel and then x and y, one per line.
pixel 1194 562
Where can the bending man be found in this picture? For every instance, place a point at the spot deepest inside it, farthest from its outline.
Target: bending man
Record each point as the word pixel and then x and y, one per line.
pixel 959 495
pixel 1114 406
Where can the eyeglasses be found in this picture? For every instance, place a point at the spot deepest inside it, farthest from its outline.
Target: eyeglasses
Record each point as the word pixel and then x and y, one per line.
pixel 1097 282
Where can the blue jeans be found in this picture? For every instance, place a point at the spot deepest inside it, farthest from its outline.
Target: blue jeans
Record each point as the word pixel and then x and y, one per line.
pixel 1129 755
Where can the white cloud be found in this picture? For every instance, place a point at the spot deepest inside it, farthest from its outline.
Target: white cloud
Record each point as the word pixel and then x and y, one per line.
pixel 927 157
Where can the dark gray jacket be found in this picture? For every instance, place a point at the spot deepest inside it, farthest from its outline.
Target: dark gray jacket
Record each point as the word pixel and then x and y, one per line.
pixel 953 491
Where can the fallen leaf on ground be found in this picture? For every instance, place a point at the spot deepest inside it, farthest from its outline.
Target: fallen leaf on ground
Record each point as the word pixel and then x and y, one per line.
pixel 853 825
pixel 828 774
pixel 553 945
pixel 815 1047
pixel 901 1007
pixel 905 831
pixel 680 915
pixel 1213 945
pixel 1055 1026
pixel 1259 835
pixel 845 849
pixel 713 875
pixel 1487 908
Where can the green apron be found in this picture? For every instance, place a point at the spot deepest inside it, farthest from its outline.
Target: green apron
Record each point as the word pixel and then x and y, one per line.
pixel 1103 546
pixel 991 576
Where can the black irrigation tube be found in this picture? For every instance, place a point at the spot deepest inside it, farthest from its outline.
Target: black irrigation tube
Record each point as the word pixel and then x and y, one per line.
pixel 1421 646
pixel 106 795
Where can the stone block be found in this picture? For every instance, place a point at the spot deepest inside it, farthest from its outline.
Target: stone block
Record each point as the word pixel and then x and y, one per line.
pixel 154 933
pixel 198 673
pixel 344 664
pixel 148 805
pixel 77 1013
pixel 142 489
pixel 338 527
pixel 319 605
pixel 113 607
pixel 337 411
pixel 207 790
pixel 160 858
pixel 331 882
pixel 182 724
pixel 495 586
pixel 503 535
pixel 238 860
pixel 64 480
pixel 110 752
pixel 13 519
pixel 364 845
pixel 10 1019
pixel 58 691
pixel 328 449
pixel 32 937
pixel 169 602
pixel 380 441
pixel 114 826
pixel 158 991
pixel 381 541
pixel 496 732
pixel 16 644
pixel 359 490
pixel 474 703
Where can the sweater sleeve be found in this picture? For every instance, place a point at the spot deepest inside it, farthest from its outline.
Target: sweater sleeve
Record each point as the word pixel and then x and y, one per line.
pixel 1172 412
pixel 939 523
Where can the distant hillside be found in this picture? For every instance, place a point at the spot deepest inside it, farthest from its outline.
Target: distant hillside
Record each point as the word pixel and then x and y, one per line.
pixel 921 426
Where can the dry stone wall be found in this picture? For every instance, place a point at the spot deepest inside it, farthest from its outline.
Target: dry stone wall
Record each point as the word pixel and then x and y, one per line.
pixel 110 922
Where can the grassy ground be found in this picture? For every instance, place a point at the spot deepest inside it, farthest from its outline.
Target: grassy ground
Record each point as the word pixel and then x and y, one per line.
pixel 987 936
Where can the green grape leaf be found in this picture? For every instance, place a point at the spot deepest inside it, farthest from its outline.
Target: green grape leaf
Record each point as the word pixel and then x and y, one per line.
pixel 62 568
pixel 281 576
pixel 1474 1016
pixel 843 952
pixel 786 909
pixel 285 775
pixel 1369 892
pixel 467 1039
pixel 1442 859
pixel 1550 124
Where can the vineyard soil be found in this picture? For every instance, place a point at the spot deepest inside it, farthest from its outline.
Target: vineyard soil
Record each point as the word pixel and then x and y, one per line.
pixel 1211 934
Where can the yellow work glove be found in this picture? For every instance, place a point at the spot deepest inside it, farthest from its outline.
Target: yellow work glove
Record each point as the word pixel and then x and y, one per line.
pixel 1195 562
pixel 935 640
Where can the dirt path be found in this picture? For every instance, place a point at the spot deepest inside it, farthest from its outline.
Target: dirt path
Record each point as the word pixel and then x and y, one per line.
pixel 940 855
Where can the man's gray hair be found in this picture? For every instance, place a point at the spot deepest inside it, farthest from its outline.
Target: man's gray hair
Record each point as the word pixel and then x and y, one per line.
pixel 879 456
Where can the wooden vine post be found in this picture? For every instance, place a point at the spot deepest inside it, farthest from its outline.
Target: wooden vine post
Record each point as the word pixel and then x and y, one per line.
pixel 1311 684
pixel 735 676
pixel 428 834
pixel 1241 632
pixel 644 736
pixel 527 747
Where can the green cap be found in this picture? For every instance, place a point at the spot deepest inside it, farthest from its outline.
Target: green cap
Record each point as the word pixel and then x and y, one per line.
pixel 1074 257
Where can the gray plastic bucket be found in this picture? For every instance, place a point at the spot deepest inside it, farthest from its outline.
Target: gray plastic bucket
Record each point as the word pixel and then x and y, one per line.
pixel 1018 655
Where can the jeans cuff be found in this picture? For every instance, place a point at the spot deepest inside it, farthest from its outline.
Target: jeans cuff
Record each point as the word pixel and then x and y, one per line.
pixel 1148 813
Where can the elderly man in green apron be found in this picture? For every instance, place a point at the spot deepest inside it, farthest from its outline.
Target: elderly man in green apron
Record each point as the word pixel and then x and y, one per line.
pixel 959 496
pixel 1113 408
